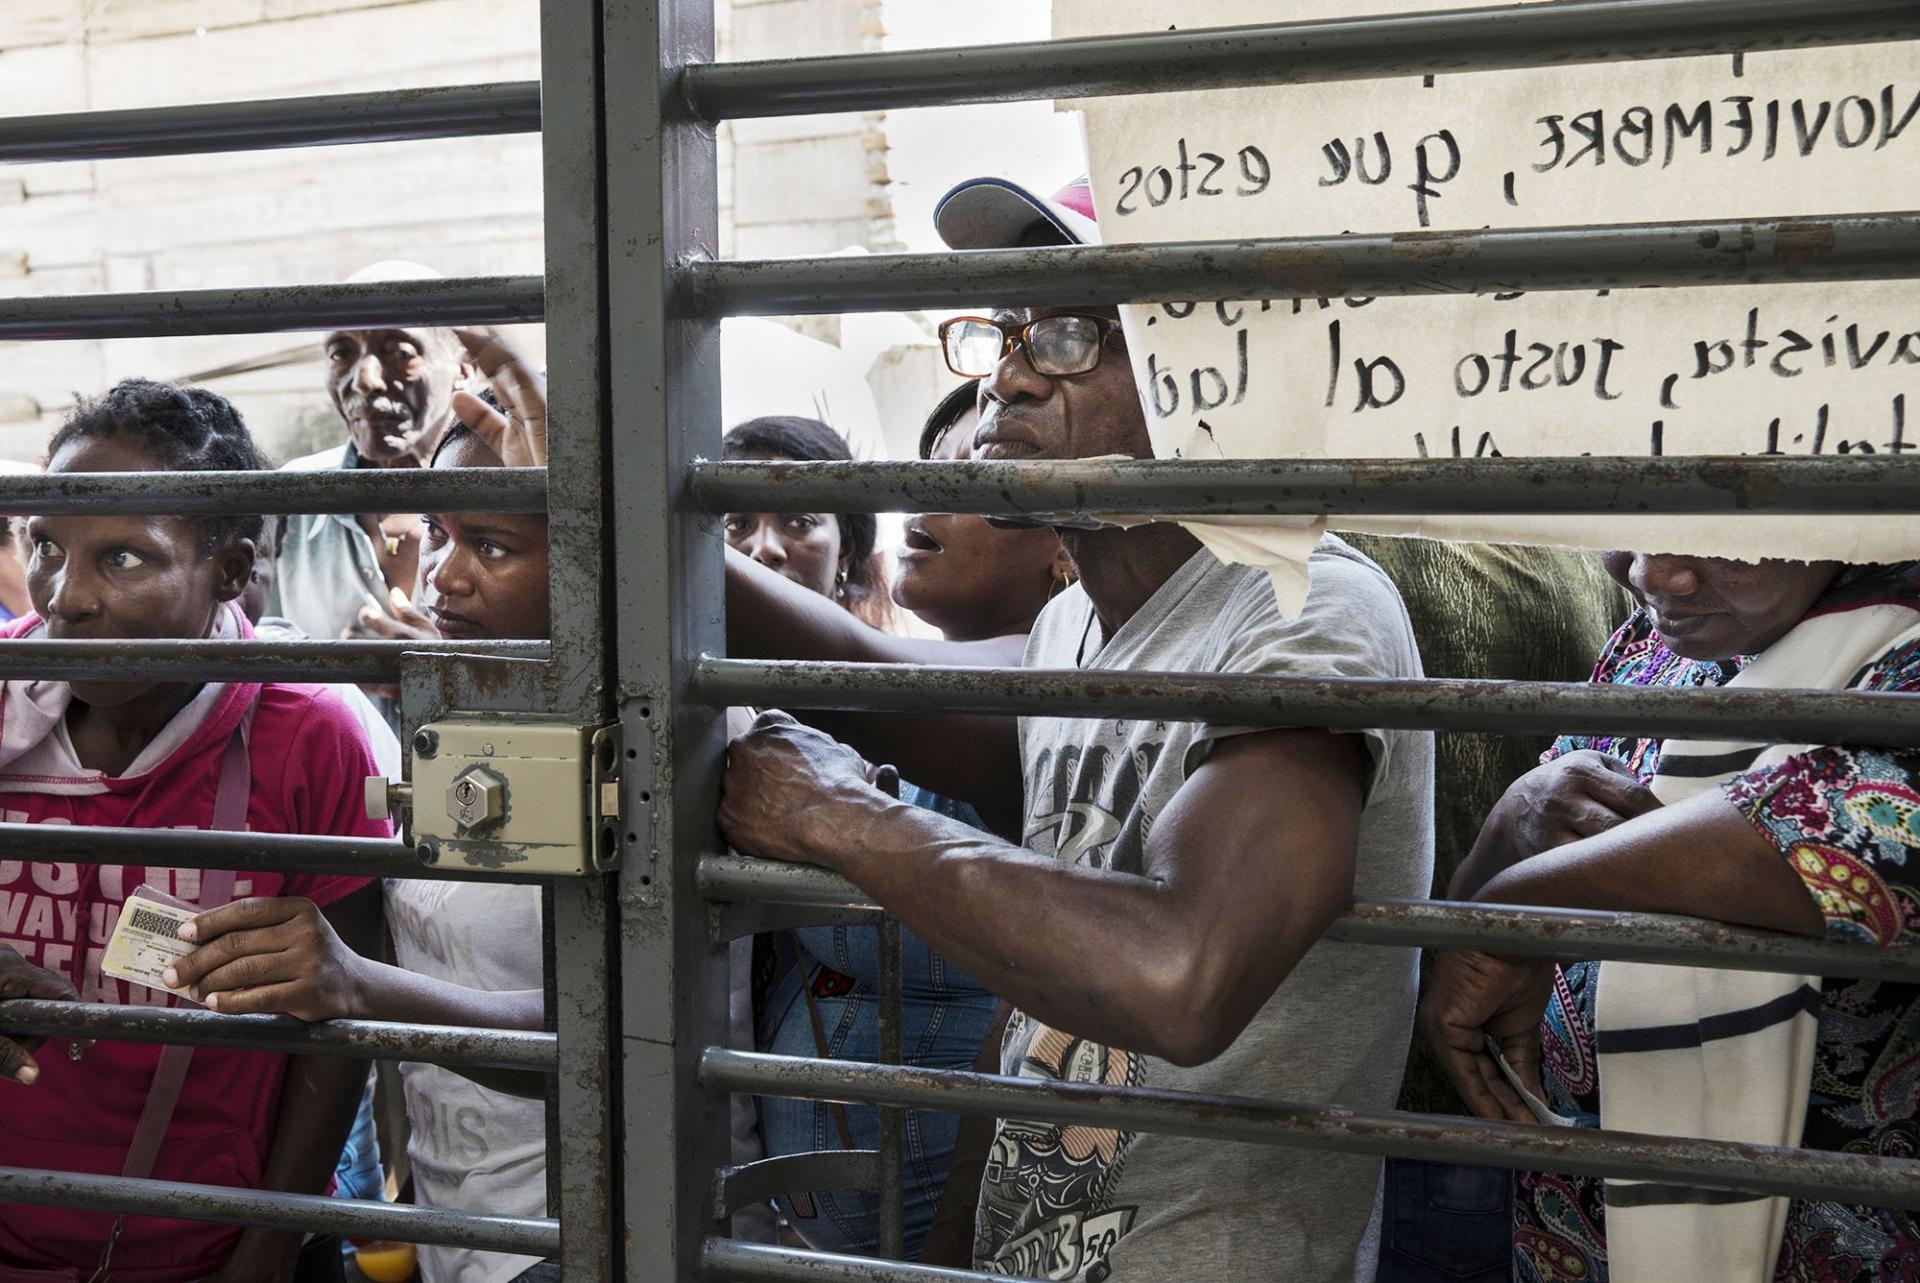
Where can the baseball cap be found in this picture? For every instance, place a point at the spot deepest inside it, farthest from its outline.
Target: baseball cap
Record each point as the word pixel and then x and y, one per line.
pixel 995 213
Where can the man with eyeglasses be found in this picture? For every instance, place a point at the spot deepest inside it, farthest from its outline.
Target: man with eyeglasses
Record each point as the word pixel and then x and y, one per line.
pixel 1159 924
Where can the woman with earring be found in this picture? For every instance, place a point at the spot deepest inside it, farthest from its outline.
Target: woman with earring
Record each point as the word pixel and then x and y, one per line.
pixel 973 582
pixel 832 554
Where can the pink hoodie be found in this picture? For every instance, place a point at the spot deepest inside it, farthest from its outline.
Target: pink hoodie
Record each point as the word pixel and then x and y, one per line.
pixel 310 759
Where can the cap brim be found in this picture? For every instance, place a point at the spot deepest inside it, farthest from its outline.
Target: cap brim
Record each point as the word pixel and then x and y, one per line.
pixel 992 213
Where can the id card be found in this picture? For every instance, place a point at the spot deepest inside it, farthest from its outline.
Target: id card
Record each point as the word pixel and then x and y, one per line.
pixel 146 940
pixel 1539 1108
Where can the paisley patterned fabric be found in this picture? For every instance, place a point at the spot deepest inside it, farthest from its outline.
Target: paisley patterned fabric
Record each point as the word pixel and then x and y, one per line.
pixel 1848 821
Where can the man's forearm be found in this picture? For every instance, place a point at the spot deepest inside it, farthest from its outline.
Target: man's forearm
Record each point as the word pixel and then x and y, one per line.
pixel 1035 931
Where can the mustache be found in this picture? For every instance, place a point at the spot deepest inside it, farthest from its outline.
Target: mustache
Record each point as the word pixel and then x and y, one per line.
pixel 381 404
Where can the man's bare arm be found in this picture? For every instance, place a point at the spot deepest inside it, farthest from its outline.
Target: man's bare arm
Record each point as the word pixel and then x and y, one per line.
pixel 1243 872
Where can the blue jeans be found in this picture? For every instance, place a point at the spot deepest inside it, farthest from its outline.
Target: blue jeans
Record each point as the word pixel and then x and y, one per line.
pixel 1446 1223
pixel 944 1017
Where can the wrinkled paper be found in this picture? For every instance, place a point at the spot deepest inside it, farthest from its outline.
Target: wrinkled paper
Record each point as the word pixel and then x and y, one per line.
pixel 1730 370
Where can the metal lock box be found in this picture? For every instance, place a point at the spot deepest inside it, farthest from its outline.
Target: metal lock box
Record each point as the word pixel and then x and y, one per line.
pixel 531 794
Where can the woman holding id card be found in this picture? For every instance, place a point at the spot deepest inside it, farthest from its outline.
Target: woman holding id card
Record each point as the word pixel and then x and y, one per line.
pixel 463 953
pixel 269 758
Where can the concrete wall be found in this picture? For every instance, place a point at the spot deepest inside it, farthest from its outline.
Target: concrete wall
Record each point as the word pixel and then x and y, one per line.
pixel 860 182
pixel 316 214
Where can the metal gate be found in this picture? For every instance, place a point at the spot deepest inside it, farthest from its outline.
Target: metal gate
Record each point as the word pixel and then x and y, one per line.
pixel 632 298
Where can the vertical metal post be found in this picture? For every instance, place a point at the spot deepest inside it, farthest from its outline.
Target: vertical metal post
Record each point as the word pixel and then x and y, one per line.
pixel 584 961
pixel 666 587
pixel 893 1193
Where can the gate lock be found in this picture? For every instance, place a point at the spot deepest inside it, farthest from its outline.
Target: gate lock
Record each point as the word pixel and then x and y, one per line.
pixel 530 794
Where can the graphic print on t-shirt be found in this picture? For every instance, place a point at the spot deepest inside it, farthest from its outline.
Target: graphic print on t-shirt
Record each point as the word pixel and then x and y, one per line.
pixel 1047 1198
pixel 1085 808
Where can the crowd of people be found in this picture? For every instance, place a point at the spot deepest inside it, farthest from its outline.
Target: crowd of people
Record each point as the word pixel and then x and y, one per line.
pixel 1095 900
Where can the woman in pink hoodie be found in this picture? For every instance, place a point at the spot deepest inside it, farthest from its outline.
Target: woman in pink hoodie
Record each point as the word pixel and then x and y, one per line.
pixel 270 758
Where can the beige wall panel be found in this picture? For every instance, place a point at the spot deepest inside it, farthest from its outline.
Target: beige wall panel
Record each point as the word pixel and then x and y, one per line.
pixel 434 42
pixel 140 19
pixel 40 22
pixel 800 181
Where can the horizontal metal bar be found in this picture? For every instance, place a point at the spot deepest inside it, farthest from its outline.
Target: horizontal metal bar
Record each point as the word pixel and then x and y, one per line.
pixel 149 314
pixel 1084 489
pixel 362 1039
pixel 384 116
pixel 174 659
pixel 1589 934
pixel 737 1262
pixel 1843 247
pixel 1586 934
pixel 1288 53
pixel 348 490
pixel 1337 703
pixel 1765 1169
pixel 347 1217
pixel 219 849
pixel 803 1173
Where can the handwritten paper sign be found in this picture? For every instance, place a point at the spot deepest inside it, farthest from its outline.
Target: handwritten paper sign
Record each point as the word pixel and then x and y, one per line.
pixel 1780 369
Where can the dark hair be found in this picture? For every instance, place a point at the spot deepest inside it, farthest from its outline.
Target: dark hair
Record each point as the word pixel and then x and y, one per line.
pixel 461 428
pixel 188 429
pixel 811 441
pixel 947 413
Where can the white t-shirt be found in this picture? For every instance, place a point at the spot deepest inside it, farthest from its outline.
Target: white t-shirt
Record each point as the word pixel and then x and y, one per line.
pixel 473 1150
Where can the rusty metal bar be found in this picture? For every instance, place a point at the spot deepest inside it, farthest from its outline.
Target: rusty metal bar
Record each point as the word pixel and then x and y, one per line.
pixel 1841 247
pixel 1080 490
pixel 1338 703
pixel 1289 53
pixel 384 116
pixel 347 1217
pixel 891 1223
pixel 214 849
pixel 331 490
pixel 1442 924
pixel 364 1039
pixel 738 1262
pixel 148 314
pixel 173 659
pixel 1765 1169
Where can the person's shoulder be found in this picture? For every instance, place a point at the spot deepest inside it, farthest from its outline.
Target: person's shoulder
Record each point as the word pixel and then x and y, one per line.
pixel 1339 572
pixel 1058 630
pixel 1352 621
pixel 296 715
pixel 334 456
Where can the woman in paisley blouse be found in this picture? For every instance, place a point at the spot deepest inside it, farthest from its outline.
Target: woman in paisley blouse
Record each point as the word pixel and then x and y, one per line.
pixel 1825 842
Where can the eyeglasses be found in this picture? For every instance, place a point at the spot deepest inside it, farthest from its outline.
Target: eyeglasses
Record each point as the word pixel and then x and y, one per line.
pixel 1055 345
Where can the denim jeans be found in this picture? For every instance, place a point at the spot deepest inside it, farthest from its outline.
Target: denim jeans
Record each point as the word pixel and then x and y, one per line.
pixel 1446 1223
pixel 944 1017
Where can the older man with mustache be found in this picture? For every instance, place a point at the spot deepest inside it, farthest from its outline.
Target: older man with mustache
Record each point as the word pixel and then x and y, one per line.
pixel 394 389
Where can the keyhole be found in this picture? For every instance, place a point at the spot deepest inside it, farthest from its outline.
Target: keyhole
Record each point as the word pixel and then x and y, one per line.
pixel 464 792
